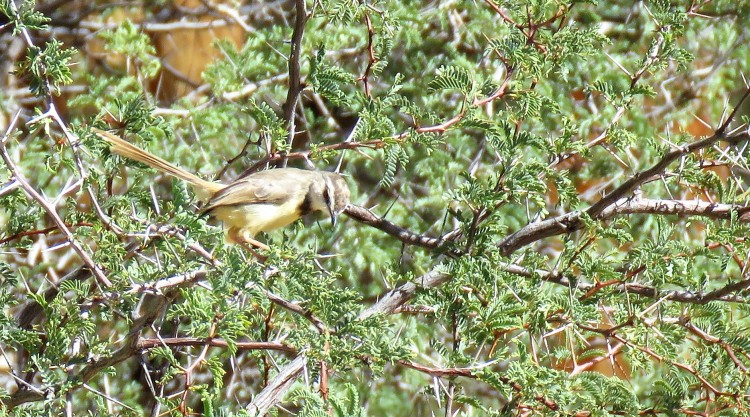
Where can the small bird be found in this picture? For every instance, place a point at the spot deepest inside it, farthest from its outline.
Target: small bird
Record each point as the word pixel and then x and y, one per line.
pixel 261 202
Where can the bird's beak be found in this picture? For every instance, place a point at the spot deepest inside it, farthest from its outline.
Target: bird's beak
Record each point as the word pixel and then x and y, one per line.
pixel 332 213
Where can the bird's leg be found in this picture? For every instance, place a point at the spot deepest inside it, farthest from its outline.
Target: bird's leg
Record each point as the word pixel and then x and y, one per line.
pixel 244 239
pixel 255 243
pixel 259 257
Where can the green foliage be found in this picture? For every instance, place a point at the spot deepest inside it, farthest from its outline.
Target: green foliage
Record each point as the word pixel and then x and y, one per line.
pixel 452 78
pixel 327 79
pixel 482 134
pixel 346 405
pixel 270 125
pixel 128 40
pixel 47 69
pixel 24 16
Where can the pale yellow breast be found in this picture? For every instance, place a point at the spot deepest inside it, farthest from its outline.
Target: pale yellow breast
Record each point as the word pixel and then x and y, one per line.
pixel 252 219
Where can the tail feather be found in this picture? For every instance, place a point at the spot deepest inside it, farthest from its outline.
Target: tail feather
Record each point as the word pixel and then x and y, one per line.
pixel 203 189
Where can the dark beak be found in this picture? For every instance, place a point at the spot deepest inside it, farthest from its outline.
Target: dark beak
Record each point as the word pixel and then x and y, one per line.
pixel 332 213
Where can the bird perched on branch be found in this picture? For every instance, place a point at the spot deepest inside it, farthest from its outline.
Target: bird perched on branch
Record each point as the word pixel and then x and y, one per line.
pixel 260 202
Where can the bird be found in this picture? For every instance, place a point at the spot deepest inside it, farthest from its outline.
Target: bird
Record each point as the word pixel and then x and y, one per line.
pixel 260 202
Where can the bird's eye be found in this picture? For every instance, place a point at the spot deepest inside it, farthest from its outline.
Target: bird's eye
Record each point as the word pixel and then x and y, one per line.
pixel 326 196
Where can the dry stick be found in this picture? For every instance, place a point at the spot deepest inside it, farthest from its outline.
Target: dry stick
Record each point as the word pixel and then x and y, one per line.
pixel 252 87
pixel 8 186
pixel 677 207
pixel 197 341
pixel 294 71
pixel 369 218
pixel 275 390
pixel 365 78
pixel 400 295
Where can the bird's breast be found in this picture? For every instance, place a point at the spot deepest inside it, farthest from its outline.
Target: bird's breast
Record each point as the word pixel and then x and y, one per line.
pixel 256 218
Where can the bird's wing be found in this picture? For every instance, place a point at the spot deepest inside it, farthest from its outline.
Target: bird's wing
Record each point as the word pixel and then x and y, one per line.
pixel 264 187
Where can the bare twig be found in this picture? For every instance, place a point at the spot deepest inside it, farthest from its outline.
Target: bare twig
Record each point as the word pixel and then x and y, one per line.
pixel 295 83
pixel 676 207
pixel 369 218
pixel 277 388
pixel 398 296
pixel 365 78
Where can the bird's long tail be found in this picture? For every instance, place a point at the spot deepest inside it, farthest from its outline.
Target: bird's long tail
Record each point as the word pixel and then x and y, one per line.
pixel 203 189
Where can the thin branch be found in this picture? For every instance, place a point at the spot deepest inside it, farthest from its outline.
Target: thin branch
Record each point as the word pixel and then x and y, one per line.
pixel 296 308
pixel 295 83
pixel 8 187
pixel 160 27
pixel 571 222
pixel 52 212
pixel 39 232
pixel 369 218
pixel 684 321
pixel 129 347
pixel 658 169
pixel 235 158
pixel 678 208
pixel 365 78
pixel 469 373
pixel 687 368
pixel 277 388
pixel 400 295
pixel 252 87
pixel 380 143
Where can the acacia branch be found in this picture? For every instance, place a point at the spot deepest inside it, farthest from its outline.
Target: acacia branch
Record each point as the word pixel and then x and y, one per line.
pixel 397 297
pixel 52 212
pixel 365 78
pixel 277 388
pixel 468 373
pixel 198 341
pixel 687 368
pixel 615 203
pixel 295 84
pixel 400 295
pixel 724 294
pixel 129 347
pixel 369 218
pixel 678 208
pixel 684 322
